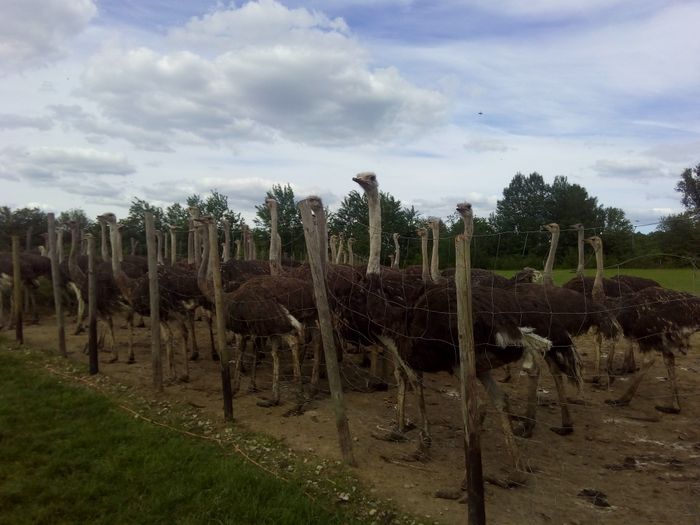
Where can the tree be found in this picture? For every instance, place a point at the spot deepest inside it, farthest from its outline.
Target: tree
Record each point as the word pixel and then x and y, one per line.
pixel 22 222
pixel 134 224
pixel 689 187
pixel 351 219
pixel 288 222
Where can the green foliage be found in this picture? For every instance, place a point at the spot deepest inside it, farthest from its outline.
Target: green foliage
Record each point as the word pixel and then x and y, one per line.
pixel 288 223
pixel 21 222
pixel 352 218
pixel 529 203
pixel 689 188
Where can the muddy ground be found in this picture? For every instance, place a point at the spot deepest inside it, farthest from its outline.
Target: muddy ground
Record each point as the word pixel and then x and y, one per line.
pixel 646 463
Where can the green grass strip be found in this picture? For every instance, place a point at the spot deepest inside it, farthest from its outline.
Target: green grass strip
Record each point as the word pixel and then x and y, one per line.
pixel 68 455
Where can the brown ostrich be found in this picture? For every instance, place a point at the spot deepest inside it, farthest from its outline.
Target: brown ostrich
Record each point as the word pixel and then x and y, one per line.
pixel 276 308
pixel 658 320
pixel 178 295
pixel 32 267
pixel 107 292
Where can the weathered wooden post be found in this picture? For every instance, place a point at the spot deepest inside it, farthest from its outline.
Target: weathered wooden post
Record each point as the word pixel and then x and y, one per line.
pixel 225 355
pixel 55 283
pixel 154 295
pixel 275 253
pixel 467 373
pixel 92 305
pixel 17 290
pixel 316 262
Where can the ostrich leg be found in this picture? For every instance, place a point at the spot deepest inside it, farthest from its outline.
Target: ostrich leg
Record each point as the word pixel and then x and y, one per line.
pixel 241 345
pixel 624 399
pixel 500 400
pixel 629 366
pixel 675 408
pixel 293 342
pixel 275 399
pixel 567 424
pixel 182 324
pixel 256 342
pixel 210 323
pixel 532 369
pixel 113 345
pixel 189 317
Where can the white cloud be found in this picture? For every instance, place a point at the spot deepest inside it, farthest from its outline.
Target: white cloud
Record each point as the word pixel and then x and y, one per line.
pixel 34 32
pixel 80 165
pixel 275 73
pixel 10 121
pixel 631 168
pixel 480 145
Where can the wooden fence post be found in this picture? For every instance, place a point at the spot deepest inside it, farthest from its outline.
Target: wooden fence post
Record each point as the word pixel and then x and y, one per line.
pixel 467 372
pixel 154 295
pixel 17 290
pixel 92 306
pixel 55 283
pixel 224 354
pixel 324 319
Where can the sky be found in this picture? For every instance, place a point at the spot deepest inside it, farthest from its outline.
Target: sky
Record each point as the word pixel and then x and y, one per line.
pixel 105 100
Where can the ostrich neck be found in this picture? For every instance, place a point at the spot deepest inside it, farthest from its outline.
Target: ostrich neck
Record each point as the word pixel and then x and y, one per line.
pixel 73 269
pixel 104 249
pixel 59 245
pixel 375 231
pixel 227 241
pixel 334 249
pixel 549 265
pixel 120 277
pixel 274 242
pixel 203 269
pixel 351 256
pixel 397 252
pixel 173 247
pixel 159 247
pixel 435 259
pixel 579 268
pixel 598 292
pixel 424 258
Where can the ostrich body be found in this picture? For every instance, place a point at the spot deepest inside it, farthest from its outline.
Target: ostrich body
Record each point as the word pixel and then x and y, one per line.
pixel 32 266
pixel 658 320
pixel 107 292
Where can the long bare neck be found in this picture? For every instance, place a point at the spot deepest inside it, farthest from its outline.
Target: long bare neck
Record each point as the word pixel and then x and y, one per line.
pixel 203 269
pixel 435 259
pixel 375 231
pixel 548 275
pixel 104 248
pixel 73 267
pixel 580 267
pixel 59 244
pixel 173 247
pixel 227 240
pixel 275 266
pixel 119 275
pixel 424 258
pixel 397 251
pixel 237 242
pixel 334 248
pixel 351 255
pixel 159 246
pixel 598 291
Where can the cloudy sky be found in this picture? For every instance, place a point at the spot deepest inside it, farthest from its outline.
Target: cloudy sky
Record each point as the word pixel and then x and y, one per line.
pixel 103 100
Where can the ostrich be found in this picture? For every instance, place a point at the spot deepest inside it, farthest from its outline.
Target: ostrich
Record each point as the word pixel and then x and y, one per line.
pixel 547 275
pixel 32 267
pixel 107 292
pixel 398 316
pixel 227 240
pixel 334 247
pixel 178 294
pixel 351 255
pixel 657 319
pixel 340 255
pixel 275 307
pixel 580 234
pixel 275 245
pixel 434 223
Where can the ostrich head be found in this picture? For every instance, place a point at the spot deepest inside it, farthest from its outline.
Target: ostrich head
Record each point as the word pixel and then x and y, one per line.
pixel 351 241
pixel 596 242
pixel 422 232
pixel 204 220
pixel 315 203
pixel 367 179
pixel 396 236
pixel 108 217
pixel 464 208
pixel 552 227
pixel 578 226
pixel 271 204
pixel 193 211
pixel 334 238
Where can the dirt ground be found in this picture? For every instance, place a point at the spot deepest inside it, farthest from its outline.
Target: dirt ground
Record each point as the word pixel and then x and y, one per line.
pixel 646 463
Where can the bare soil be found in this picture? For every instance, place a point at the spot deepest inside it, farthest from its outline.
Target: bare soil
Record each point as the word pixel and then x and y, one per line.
pixel 647 464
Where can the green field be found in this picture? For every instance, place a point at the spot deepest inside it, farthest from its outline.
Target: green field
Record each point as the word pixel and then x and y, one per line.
pixel 69 455
pixel 684 279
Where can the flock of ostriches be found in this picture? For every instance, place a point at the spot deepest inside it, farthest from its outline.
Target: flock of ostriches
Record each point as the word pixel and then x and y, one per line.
pixel 408 314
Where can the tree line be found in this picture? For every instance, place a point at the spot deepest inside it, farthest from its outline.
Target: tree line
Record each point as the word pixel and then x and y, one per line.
pixel 510 237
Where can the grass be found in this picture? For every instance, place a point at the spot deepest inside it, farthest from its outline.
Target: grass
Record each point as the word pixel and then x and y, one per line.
pixel 70 455
pixel 683 279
